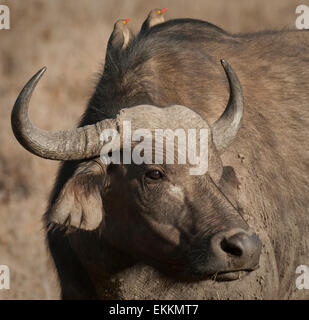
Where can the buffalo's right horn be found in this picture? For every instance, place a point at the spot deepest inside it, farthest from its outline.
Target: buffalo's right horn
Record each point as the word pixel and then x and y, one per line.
pixel 80 143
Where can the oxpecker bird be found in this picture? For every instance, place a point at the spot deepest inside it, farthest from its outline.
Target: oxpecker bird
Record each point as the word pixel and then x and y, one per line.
pixel 120 37
pixel 155 16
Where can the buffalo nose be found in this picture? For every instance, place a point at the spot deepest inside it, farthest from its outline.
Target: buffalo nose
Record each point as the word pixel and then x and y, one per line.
pixel 225 253
pixel 243 249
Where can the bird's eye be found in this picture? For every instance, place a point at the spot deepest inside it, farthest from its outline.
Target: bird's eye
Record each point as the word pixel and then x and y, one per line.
pixel 154 174
pixel 159 11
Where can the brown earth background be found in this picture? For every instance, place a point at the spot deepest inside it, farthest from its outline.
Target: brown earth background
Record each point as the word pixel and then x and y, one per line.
pixel 70 37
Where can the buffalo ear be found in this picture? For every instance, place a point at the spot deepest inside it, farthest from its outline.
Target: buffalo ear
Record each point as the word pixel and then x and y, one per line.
pixel 229 176
pixel 229 184
pixel 79 204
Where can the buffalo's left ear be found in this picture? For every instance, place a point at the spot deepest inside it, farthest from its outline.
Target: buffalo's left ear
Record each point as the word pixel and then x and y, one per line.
pixel 79 204
pixel 229 184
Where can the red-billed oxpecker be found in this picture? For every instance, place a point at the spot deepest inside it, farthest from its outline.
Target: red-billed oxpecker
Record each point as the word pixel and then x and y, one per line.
pixel 154 17
pixel 121 36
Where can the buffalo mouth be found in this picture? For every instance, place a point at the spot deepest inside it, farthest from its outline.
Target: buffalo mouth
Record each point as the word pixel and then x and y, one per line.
pixel 230 275
pixel 196 275
pixel 222 276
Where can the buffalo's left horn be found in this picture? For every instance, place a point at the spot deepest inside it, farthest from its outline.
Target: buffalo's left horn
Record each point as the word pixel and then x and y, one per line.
pixel 80 143
pixel 225 129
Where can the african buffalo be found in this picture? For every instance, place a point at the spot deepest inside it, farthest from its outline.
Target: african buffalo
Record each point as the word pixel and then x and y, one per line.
pixel 146 231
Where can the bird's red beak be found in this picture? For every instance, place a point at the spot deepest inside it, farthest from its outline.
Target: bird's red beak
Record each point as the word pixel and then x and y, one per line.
pixel 127 20
pixel 163 10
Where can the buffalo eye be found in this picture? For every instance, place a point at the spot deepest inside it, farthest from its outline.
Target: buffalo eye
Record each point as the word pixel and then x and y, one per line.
pixel 154 174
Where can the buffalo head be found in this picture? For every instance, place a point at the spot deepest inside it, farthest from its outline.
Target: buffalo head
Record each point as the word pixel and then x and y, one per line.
pixel 187 226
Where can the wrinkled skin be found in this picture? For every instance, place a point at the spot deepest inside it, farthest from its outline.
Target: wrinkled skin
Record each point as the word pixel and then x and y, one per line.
pixel 161 227
pixel 113 233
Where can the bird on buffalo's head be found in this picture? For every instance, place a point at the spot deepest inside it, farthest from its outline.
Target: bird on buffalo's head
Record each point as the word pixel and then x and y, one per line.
pixel 154 17
pixel 121 36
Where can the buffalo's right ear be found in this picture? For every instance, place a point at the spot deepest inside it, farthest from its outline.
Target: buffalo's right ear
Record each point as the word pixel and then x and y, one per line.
pixel 79 203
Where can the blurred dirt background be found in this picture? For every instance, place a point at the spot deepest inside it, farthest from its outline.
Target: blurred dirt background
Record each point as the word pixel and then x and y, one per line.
pixel 70 37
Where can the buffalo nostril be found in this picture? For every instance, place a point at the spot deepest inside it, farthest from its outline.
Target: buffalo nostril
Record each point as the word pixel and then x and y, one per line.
pixel 241 245
pixel 232 246
pixel 229 251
